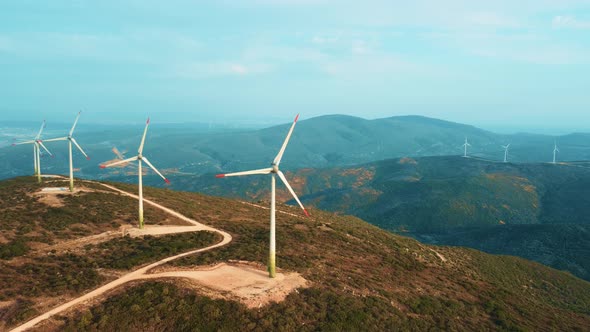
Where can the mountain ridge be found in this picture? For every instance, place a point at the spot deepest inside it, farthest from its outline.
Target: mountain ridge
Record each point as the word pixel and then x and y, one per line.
pixel 327 141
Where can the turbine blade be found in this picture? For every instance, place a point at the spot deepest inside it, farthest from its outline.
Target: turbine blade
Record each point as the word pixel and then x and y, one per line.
pixel 45 148
pixel 55 139
pixel 80 148
pixel 282 150
pixel 282 176
pixel 155 170
pixel 143 138
pixel 40 130
pixel 256 171
pixel 119 162
pixel 75 122
pixel 26 142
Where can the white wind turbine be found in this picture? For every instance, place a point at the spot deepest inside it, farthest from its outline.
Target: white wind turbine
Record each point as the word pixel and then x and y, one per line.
pixel 139 159
pixel 37 144
pixel 274 169
pixel 465 145
pixel 555 150
pixel 71 140
pixel 506 152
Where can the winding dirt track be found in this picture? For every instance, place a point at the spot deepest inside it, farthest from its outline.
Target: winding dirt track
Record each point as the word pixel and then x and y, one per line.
pixel 141 273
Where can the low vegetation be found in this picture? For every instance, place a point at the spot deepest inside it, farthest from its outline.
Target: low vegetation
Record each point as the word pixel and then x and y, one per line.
pixel 363 278
pixel 30 272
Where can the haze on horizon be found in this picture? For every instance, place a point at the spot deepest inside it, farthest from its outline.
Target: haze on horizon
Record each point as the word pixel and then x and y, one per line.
pixel 500 65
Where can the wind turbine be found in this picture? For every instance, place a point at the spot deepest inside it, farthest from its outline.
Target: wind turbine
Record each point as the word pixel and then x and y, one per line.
pixel 555 150
pixel 139 159
pixel 273 170
pixel 71 140
pixel 37 144
pixel 465 145
pixel 506 152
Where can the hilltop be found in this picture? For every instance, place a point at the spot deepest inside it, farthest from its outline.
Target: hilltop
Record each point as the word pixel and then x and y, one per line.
pixel 536 211
pixel 360 277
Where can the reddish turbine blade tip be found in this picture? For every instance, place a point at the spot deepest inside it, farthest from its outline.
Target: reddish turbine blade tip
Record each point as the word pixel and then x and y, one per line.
pixel 220 175
pixel 306 213
pixel 167 181
pixel 103 166
pixel 148 121
pixel 13 144
pixel 297 117
pixel 87 158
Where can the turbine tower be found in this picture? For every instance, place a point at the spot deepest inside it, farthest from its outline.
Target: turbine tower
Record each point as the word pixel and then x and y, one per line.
pixel 273 170
pixel 555 150
pixel 506 152
pixel 465 145
pixel 140 157
pixel 71 140
pixel 37 145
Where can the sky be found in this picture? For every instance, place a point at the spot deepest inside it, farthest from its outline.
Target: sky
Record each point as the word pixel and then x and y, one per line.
pixel 520 65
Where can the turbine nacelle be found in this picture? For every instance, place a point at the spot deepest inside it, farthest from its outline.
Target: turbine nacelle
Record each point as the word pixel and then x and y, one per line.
pixel 275 168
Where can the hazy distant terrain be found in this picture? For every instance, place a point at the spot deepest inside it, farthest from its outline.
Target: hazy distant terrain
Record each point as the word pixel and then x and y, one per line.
pixel 537 211
pixel 326 141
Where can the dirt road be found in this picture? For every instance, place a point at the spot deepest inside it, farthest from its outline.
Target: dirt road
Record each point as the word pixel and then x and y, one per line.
pixel 141 273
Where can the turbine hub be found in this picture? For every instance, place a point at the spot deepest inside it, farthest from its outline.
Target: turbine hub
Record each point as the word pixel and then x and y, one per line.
pixel 275 168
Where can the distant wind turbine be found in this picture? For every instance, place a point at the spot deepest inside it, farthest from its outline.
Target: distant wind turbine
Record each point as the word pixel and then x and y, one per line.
pixel 274 169
pixel 139 159
pixel 506 152
pixel 71 140
pixel 465 145
pixel 37 144
pixel 555 150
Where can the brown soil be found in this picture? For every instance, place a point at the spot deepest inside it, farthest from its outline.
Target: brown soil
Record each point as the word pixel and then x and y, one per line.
pixel 247 283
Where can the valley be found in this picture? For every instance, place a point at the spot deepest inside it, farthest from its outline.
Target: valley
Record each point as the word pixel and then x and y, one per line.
pixel 536 211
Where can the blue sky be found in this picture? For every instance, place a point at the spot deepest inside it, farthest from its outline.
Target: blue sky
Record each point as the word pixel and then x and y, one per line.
pixel 514 64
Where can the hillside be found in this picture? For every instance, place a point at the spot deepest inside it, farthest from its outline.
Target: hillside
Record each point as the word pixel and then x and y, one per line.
pixel 326 141
pixel 450 200
pixel 361 277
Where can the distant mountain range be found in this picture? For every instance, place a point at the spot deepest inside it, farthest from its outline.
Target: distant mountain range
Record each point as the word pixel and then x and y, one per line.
pixel 326 141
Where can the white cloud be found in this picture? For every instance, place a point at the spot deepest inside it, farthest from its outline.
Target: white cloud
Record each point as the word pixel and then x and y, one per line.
pixel 281 54
pixel 570 22
pixel 6 44
pixel 360 47
pixel 323 40
pixel 521 47
pixel 239 69
pixel 491 19
pixel 201 70
pixel 380 66
pixel 141 46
